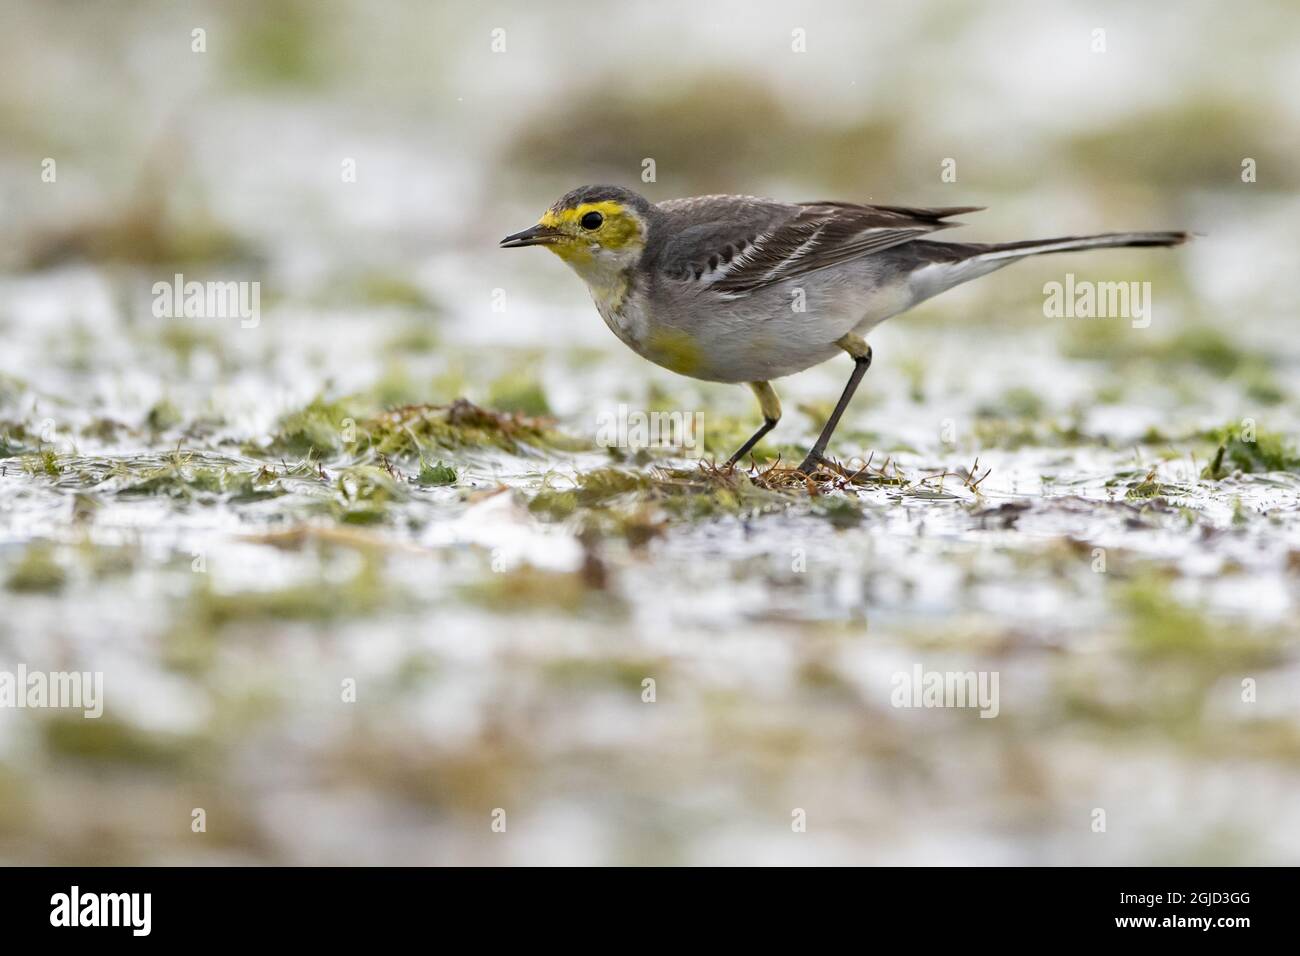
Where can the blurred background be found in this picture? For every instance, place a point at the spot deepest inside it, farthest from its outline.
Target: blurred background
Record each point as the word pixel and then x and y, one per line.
pixel 183 509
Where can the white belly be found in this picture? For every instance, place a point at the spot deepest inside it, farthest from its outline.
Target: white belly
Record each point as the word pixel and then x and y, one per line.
pixel 771 333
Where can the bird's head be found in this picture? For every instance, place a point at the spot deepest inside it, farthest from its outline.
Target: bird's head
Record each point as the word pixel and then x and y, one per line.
pixel 599 230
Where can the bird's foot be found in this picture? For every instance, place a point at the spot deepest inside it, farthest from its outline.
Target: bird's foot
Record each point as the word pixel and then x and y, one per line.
pixel 814 463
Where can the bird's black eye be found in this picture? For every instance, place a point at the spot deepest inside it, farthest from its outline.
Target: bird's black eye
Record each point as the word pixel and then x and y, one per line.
pixel 592 220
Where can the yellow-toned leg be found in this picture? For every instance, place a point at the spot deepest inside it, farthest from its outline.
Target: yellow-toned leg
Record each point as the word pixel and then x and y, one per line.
pixel 857 347
pixel 770 406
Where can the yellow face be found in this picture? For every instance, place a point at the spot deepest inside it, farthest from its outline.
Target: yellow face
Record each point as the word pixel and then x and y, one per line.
pixel 582 234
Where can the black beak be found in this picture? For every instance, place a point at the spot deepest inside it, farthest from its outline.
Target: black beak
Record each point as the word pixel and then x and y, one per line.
pixel 536 236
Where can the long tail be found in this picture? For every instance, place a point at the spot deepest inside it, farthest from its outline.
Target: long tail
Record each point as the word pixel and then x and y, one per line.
pixel 1110 240
pixel 950 264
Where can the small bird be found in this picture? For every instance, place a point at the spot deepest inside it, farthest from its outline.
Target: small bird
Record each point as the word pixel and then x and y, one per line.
pixel 746 290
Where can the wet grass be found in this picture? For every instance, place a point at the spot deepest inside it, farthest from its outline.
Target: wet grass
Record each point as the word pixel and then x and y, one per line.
pixel 355 428
pixel 1249 451
pixel 366 494
pixel 181 477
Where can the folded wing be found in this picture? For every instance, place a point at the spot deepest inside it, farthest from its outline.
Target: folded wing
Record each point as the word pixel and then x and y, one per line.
pixel 771 243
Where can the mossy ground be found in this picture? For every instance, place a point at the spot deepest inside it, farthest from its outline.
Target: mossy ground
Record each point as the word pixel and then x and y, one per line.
pixel 644 577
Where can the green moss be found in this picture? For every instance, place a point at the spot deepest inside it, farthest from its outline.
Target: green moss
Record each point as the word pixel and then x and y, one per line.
pixel 603 484
pixel 554 505
pixel 1148 488
pixel 700 494
pixel 593 491
pixel 614 500
pixel 322 427
pixel 365 494
pixel 45 462
pixel 409 430
pixel 182 478
pixel 435 475
pixel 37 572
pixel 49 464
pixel 244 486
pixel 1268 451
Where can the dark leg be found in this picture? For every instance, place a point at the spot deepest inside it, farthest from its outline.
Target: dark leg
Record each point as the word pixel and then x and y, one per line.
pixel 767 426
pixel 861 353
pixel 771 408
